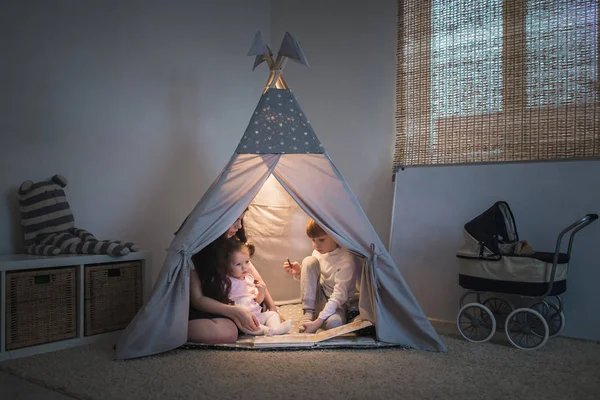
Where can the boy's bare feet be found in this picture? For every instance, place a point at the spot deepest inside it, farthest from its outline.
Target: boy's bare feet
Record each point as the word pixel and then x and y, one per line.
pixel 308 316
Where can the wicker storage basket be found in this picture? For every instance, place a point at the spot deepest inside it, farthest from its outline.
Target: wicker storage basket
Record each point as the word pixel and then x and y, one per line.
pixel 113 296
pixel 41 306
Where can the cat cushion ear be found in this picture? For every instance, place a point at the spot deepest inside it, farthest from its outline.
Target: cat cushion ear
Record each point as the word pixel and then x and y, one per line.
pixel 60 180
pixel 25 187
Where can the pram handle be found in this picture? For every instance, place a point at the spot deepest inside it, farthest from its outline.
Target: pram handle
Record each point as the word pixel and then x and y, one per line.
pixel 577 226
pixel 583 222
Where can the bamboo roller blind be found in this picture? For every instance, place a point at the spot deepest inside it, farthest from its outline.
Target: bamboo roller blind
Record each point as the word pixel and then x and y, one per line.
pixel 496 81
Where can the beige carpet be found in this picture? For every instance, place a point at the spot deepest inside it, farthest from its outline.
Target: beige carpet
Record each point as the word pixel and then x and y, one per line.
pixel 562 369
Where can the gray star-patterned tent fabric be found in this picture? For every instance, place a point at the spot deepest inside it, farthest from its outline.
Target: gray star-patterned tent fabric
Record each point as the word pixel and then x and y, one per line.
pixel 322 193
pixel 279 126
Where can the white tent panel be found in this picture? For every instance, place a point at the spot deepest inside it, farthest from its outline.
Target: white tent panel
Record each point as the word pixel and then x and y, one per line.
pixel 277 227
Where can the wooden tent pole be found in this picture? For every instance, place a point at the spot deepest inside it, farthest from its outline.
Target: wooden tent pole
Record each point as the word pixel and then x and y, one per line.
pixel 276 77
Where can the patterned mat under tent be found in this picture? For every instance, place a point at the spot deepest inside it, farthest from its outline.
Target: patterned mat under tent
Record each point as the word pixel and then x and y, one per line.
pixel 357 334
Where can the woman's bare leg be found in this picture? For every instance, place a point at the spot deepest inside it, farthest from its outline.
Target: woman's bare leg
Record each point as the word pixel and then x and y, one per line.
pixel 212 331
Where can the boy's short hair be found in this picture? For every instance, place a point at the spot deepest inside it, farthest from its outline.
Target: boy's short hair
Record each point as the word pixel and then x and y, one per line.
pixel 313 229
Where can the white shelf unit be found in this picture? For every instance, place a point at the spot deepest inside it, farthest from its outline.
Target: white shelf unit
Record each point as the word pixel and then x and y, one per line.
pixel 23 262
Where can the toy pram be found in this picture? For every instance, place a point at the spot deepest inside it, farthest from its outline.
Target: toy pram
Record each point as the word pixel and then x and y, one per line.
pixel 492 259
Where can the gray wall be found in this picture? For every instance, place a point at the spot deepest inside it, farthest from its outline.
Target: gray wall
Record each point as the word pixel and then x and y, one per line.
pixel 432 204
pixel 139 104
pixel 348 93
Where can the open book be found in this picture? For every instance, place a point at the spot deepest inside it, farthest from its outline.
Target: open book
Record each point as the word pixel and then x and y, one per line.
pixel 308 339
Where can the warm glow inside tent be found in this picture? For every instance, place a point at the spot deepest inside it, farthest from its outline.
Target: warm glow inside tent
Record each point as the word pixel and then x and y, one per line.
pixel 282 173
pixel 276 225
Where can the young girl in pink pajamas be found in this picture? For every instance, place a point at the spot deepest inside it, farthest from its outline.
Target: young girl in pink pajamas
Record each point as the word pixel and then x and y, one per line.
pixel 247 292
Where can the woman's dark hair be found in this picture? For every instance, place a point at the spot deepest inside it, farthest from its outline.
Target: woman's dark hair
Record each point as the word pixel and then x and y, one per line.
pixel 240 234
pixel 212 262
pixel 211 267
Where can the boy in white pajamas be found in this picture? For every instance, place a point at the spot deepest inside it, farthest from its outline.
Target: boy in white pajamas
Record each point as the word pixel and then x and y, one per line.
pixel 327 281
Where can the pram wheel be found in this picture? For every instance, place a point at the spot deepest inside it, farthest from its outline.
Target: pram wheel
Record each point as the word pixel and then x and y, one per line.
pixel 476 323
pixel 554 318
pixel 526 329
pixel 501 308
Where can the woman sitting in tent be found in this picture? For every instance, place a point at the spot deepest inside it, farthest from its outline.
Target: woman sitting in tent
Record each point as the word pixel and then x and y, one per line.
pixel 211 319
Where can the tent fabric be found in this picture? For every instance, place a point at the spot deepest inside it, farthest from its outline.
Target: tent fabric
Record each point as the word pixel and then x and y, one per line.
pixel 385 299
pixel 276 225
pixel 161 324
pixel 320 190
pixel 278 125
pixel 314 182
pixel 291 48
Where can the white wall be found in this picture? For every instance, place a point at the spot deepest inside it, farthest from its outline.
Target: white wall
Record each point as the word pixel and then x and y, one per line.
pixel 138 104
pixel 349 90
pixel 433 203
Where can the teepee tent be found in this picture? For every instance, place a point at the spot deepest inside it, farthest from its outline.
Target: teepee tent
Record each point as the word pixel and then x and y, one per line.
pixel 279 145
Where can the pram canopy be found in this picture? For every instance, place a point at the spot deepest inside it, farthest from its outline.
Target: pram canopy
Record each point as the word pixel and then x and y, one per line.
pixel 494 227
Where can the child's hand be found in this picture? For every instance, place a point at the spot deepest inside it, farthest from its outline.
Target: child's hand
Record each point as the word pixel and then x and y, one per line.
pixel 261 286
pixel 311 327
pixel 292 269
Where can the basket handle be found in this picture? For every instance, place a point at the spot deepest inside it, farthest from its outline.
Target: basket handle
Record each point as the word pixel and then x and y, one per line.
pixel 113 272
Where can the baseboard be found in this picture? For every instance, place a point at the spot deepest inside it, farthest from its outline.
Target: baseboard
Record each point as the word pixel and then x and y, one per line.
pixel 60 345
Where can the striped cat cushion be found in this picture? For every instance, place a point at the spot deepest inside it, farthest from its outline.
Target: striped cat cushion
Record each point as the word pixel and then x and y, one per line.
pixel 44 208
pixel 49 226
